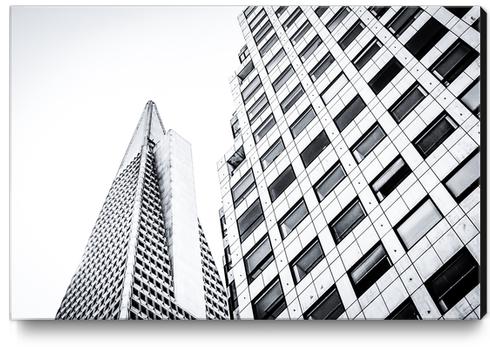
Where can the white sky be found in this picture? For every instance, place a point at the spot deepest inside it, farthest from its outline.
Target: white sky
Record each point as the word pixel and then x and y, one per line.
pixel 80 77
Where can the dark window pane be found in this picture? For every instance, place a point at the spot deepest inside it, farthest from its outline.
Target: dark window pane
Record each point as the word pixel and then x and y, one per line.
pixel 302 121
pixel 257 20
pixel 351 34
pixel 268 45
pixel 337 18
pixel 251 89
pixel 321 66
pixel 328 306
pixel 258 258
pixel 320 10
pixel 264 128
pixel 249 10
pixel 275 60
pixel 307 260
pixel 283 78
pixel 476 25
pixel 435 134
pixel 272 153
pixel 329 181
pixel 281 183
pixel 402 20
pixel 407 102
pixel 470 97
pixel 458 11
pixel 378 11
pixel 385 75
pixel 313 150
pixel 405 311
pixel 245 71
pixel 235 160
pixel 390 178
pixel 368 142
pixel 292 18
pixel 250 220
pixel 454 280
pixel 242 188
pixel 310 48
pixel 425 38
pixel 347 220
pixel 347 115
pixel 292 218
pixel 291 99
pixel 257 108
pixel 300 32
pixel 281 10
pixel 262 33
pixel 366 53
pixel 270 302
pixel 465 178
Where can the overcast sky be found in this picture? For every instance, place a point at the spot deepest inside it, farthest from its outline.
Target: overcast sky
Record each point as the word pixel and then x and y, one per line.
pixel 80 77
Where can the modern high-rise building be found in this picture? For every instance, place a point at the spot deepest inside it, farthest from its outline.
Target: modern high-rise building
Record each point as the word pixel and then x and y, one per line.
pixel 352 190
pixel 147 257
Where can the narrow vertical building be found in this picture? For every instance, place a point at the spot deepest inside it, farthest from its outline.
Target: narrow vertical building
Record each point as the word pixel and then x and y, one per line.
pixel 147 257
pixel 352 190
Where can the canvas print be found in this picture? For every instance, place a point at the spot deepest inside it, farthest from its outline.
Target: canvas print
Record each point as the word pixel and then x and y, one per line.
pixel 341 179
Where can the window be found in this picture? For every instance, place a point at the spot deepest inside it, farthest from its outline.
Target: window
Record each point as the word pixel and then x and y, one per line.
pixel 458 11
pixel 347 220
pixel 302 121
pixel 264 128
pixel 320 10
pixel 270 302
pixel 329 181
pixel 321 66
pixel 347 115
pixel 435 134
pixel 378 11
pixel 368 142
pixel 385 75
pixel 268 45
pixel 275 60
pixel 283 78
pixel 235 160
pixel 292 18
pixel 387 181
pixel 402 20
pixel 470 97
pixel 244 53
pixel 251 89
pixel 307 260
pixel 476 25
pixel 465 178
pixel 334 88
pixel 425 38
pixel 281 183
pixel 453 280
pixel 257 108
pixel 313 150
pixel 250 220
pixel 369 269
pixel 255 22
pixel 310 48
pixel 366 53
pixel 281 10
pixel 291 99
pixel 328 306
pixel 454 61
pixel 258 258
pixel 233 299
pixel 407 102
pixel 300 32
pixel 235 128
pixel 272 153
pixel 242 188
pixel 418 222
pixel 405 311
pixel 351 34
pixel 337 18
pixel 245 71
pixel 292 218
pixel 248 11
pixel 262 33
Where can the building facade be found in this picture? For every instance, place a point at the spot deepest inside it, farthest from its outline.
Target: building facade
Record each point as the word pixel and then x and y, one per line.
pixel 352 190
pixel 147 256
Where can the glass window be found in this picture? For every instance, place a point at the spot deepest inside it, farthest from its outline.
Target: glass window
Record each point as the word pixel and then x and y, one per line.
pixel 307 260
pixel 235 160
pixel 292 18
pixel 292 218
pixel 470 97
pixel 385 75
pixel 258 258
pixel 268 45
pixel 270 302
pixel 272 153
pixel 235 128
pixel 313 150
pixel 328 306
pixel 283 78
pixel 402 20
pixel 310 48
pixel 366 53
pixel 291 99
pixel 245 71
pixel 250 220
pixel 387 181
pixel 302 121
pixel 368 142
pixel 248 11
pixel 337 18
pixel 458 11
pixel 435 134
pixel 255 22
pixel 264 128
pixel 243 187
pixel 350 111
pixel 320 10
pixel 425 38
pixel 378 11
pixel 251 89
pixel 321 66
pixel 418 222
pixel 405 311
pixel 334 88
pixel 262 33
pixel 329 181
pixel 454 280
pixel 454 61
pixel 281 183
pixel 298 35
pixel 281 10
pixel 257 108
pixel 351 34
pixel 275 60
pixel 369 269
pixel 476 25
pixel 407 102
pixel 347 220
pixel 465 178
